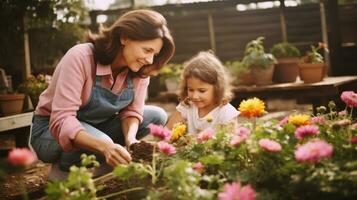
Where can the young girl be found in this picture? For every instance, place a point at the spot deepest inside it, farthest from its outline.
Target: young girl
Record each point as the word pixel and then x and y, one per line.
pixel 205 93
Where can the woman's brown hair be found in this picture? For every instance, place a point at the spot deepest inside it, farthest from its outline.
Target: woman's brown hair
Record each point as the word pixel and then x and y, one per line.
pixel 206 67
pixel 136 25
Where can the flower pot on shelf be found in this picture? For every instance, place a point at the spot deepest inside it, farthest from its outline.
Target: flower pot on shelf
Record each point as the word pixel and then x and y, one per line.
pixel 286 70
pixel 262 76
pixel 11 104
pixel 245 78
pixel 311 72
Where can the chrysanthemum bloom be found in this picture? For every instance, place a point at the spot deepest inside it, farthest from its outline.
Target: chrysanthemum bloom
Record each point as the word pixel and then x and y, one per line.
pixel 178 130
pixel 252 108
pixel 21 157
pixel 237 139
pixel 205 135
pixel 350 98
pixel 344 122
pixel 313 151
pixel 159 131
pixel 284 121
pixel 342 113
pixel 303 131
pixel 234 191
pixel 166 148
pixel 269 145
pixel 299 119
pixel 198 167
pixel 318 120
pixel 242 131
pixel 353 140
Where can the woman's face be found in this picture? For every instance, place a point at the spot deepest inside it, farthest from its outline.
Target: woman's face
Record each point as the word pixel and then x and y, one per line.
pixel 137 53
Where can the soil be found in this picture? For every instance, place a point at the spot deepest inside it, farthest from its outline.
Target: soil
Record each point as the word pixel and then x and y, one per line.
pixel 35 178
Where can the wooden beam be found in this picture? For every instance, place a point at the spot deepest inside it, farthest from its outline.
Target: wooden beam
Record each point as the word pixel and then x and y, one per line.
pixel 283 21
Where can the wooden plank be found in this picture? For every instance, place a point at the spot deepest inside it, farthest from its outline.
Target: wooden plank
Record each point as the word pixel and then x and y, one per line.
pixel 15 121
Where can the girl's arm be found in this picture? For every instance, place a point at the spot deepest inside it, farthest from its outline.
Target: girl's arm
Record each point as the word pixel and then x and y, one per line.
pixel 175 118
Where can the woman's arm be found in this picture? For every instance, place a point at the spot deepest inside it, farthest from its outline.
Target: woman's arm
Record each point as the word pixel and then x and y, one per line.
pixel 115 154
pixel 175 117
pixel 130 126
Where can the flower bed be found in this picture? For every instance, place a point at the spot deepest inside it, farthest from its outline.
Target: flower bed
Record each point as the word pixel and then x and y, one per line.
pixel 300 157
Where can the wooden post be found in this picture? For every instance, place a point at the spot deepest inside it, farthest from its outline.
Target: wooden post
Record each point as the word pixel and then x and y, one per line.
pixel 324 34
pixel 283 21
pixel 334 38
pixel 211 31
pixel 27 70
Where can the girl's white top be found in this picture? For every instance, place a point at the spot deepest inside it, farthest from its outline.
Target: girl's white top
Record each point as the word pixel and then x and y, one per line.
pixel 220 115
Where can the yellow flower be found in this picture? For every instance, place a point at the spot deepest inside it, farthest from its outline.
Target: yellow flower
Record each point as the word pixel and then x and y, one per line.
pixel 253 107
pixel 209 118
pixel 178 130
pixel 299 119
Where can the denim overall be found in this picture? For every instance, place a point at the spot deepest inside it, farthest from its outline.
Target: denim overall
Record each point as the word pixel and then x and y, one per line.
pixel 99 118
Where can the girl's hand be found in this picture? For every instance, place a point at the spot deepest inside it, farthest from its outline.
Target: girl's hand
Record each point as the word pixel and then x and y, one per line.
pixel 116 154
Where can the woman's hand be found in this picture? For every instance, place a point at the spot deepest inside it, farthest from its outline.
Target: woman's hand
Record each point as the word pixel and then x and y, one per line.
pixel 116 154
pixel 129 142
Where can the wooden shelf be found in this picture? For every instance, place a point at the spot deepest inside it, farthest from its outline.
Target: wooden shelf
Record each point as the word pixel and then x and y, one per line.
pixel 15 121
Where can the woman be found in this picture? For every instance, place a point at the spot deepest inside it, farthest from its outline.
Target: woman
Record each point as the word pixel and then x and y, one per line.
pixel 95 101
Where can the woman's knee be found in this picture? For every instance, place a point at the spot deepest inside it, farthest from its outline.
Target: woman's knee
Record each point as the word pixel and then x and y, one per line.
pixel 155 115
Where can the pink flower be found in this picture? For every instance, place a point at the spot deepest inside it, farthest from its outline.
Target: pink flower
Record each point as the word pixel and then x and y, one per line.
pixel 284 121
pixel 242 131
pixel 234 191
pixel 166 148
pixel 342 113
pixel 199 167
pixel 313 151
pixel 237 140
pixel 302 131
pixel 269 145
pixel 159 132
pixel 344 122
pixel 21 157
pixel 318 120
pixel 353 140
pixel 205 135
pixel 350 98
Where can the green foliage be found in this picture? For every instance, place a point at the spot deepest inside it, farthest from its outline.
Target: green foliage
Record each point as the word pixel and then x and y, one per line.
pixel 34 86
pixel 254 54
pixel 313 56
pixel 172 71
pixel 237 67
pixel 285 50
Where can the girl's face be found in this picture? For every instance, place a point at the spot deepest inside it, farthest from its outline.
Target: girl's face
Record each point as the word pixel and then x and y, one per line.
pixel 201 93
pixel 136 53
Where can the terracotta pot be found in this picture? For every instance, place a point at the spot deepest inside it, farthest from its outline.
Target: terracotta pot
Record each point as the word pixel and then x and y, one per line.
pixel 286 70
pixel 245 79
pixel 11 104
pixel 311 72
pixel 262 76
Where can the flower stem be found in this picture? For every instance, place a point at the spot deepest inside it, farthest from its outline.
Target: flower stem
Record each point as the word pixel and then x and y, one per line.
pixel 153 174
pixel 102 177
pixel 121 192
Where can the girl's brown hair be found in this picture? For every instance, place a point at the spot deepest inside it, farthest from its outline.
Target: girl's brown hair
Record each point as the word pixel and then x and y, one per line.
pixel 136 25
pixel 206 67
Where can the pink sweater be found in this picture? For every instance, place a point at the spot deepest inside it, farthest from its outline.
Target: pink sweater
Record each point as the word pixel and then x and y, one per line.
pixel 70 89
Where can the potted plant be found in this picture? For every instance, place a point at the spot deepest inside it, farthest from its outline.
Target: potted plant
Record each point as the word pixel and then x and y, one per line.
pixel 170 76
pixel 287 68
pixel 11 103
pixel 261 63
pixel 240 72
pixel 312 65
pixel 34 86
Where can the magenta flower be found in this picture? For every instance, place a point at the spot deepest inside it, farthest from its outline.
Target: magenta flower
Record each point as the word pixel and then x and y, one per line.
pixel 166 148
pixel 21 157
pixel 353 140
pixel 303 131
pixel 318 120
pixel 234 191
pixel 269 145
pixel 242 131
pixel 350 98
pixel 198 167
pixel 284 121
pixel 205 135
pixel 313 151
pixel 237 140
pixel 159 132
pixel 342 113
